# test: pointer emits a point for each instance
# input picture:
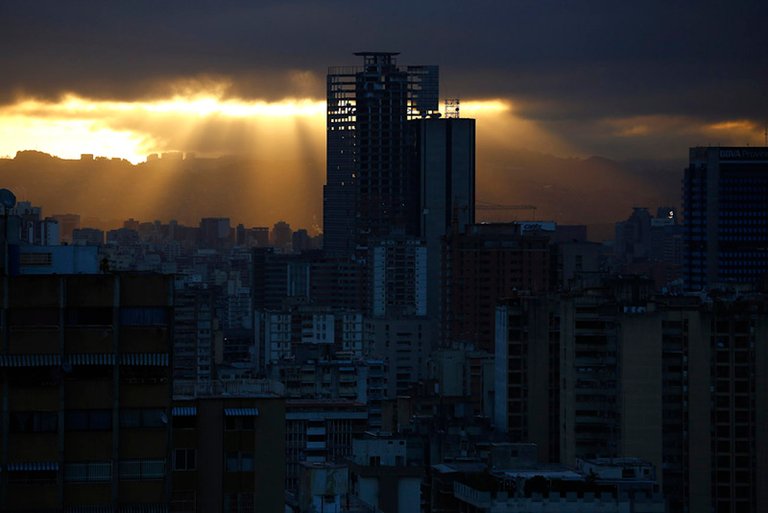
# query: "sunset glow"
(68, 138)
(131, 130)
(473, 108)
(285, 142)
(123, 129)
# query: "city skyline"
(569, 80)
(551, 87)
(488, 257)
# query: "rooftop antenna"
(452, 108)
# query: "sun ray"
(280, 146)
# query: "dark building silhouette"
(68, 223)
(614, 371)
(228, 454)
(87, 389)
(87, 237)
(281, 236)
(633, 237)
(215, 232)
(369, 187)
(193, 337)
(300, 241)
(443, 153)
(725, 202)
(488, 263)
(648, 245)
(399, 180)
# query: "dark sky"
(660, 75)
(619, 79)
(562, 59)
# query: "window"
(233, 464)
(239, 462)
(184, 459)
(130, 418)
(246, 462)
(85, 316)
(36, 259)
(146, 316)
(142, 469)
(34, 422)
(130, 469)
(239, 503)
(88, 472)
(100, 420)
(89, 420)
(143, 418)
(153, 418)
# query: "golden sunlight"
(131, 130)
(473, 108)
(739, 124)
(735, 132)
(201, 122)
(68, 138)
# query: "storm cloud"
(560, 60)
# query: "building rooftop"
(554, 472)
(452, 468)
(364, 54)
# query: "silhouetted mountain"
(590, 191)
(247, 190)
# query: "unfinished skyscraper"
(369, 190)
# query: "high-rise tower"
(444, 160)
(370, 191)
(725, 201)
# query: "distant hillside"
(246, 190)
(590, 191)
(593, 191)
